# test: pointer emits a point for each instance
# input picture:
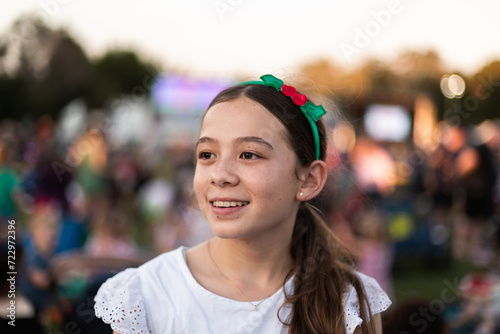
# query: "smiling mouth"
(227, 204)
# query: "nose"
(224, 175)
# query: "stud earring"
(301, 194)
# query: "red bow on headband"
(297, 98)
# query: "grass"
(428, 278)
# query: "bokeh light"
(452, 86)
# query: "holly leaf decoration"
(271, 80)
(316, 112)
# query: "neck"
(252, 264)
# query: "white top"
(162, 297)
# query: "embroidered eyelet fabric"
(377, 299)
(120, 301)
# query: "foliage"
(400, 80)
(42, 70)
(119, 72)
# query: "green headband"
(312, 112)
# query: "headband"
(312, 112)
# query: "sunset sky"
(224, 37)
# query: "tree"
(483, 100)
(326, 74)
(119, 72)
(43, 69)
(416, 65)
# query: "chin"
(228, 230)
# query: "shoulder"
(132, 277)
(169, 263)
(166, 260)
(122, 299)
(377, 299)
(118, 296)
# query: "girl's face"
(245, 180)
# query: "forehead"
(242, 117)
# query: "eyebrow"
(247, 139)
(205, 140)
(254, 139)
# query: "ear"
(313, 179)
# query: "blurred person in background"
(413, 316)
(441, 180)
(492, 139)
(34, 279)
(110, 234)
(75, 221)
(23, 315)
(340, 201)
(490, 314)
(155, 200)
(373, 168)
(375, 254)
(88, 156)
(9, 175)
(49, 176)
(477, 173)
(479, 303)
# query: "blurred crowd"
(85, 209)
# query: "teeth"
(226, 204)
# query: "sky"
(252, 37)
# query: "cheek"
(274, 186)
(200, 178)
(198, 186)
(196, 182)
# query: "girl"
(273, 265)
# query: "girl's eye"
(249, 156)
(206, 155)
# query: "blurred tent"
(180, 102)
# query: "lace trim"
(377, 299)
(119, 303)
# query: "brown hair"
(323, 266)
